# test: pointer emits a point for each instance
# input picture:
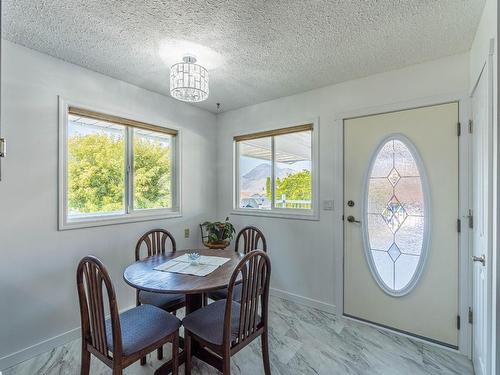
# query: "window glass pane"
(152, 169)
(96, 167)
(293, 170)
(255, 173)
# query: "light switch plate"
(328, 205)
(186, 233)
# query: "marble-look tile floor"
(303, 341)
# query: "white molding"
(43, 346)
(465, 296)
(119, 218)
(306, 301)
(465, 245)
(492, 128)
(274, 213)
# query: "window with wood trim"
(275, 171)
(115, 169)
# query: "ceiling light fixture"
(189, 81)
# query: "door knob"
(352, 219)
(481, 259)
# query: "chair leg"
(226, 364)
(143, 361)
(265, 352)
(175, 354)
(85, 366)
(205, 299)
(187, 348)
(117, 371)
(160, 353)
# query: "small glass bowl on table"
(194, 258)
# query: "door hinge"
(470, 126)
(459, 129)
(471, 219)
(470, 315)
(459, 225)
(458, 322)
(3, 148)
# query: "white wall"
(37, 271)
(303, 252)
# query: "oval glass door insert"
(396, 221)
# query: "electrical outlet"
(186, 233)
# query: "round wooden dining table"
(142, 275)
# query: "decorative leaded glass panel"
(380, 191)
(395, 213)
(409, 190)
(382, 238)
(384, 162)
(385, 265)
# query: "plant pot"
(217, 245)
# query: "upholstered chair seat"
(208, 322)
(222, 294)
(164, 301)
(141, 327)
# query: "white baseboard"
(323, 306)
(42, 347)
(39, 348)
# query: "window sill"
(98, 221)
(277, 214)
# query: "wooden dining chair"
(123, 338)
(155, 242)
(251, 238)
(226, 326)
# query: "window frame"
(285, 213)
(130, 215)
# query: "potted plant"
(217, 235)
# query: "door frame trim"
(464, 272)
(494, 177)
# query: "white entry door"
(482, 203)
(400, 221)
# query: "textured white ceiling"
(255, 50)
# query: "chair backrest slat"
(94, 287)
(252, 306)
(251, 237)
(92, 278)
(155, 242)
(253, 272)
